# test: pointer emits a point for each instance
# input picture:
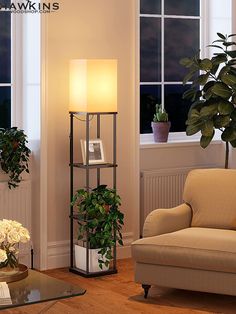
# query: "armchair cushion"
(196, 248)
(211, 195)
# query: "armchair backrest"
(211, 193)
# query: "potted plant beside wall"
(213, 93)
(99, 226)
(160, 125)
(14, 154)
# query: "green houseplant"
(14, 154)
(100, 219)
(213, 93)
(160, 125)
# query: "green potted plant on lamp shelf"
(213, 93)
(14, 154)
(99, 226)
(160, 125)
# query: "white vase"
(80, 259)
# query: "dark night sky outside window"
(150, 36)
(5, 68)
(161, 49)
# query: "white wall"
(88, 29)
(185, 155)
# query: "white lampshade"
(93, 85)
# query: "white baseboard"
(59, 251)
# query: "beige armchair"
(192, 246)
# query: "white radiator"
(15, 204)
(162, 189)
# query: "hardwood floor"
(118, 293)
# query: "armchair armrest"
(161, 221)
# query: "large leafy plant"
(213, 93)
(100, 220)
(14, 154)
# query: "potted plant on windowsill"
(213, 93)
(160, 125)
(99, 226)
(14, 154)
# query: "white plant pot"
(80, 259)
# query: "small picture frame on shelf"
(96, 152)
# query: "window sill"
(174, 140)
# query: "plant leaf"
(208, 110)
(193, 128)
(205, 64)
(222, 90)
(207, 128)
(205, 140)
(229, 134)
(189, 94)
(229, 79)
(188, 77)
(221, 36)
(201, 79)
(233, 143)
(231, 53)
(187, 62)
(225, 107)
(221, 121)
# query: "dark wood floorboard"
(118, 293)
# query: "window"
(169, 31)
(5, 67)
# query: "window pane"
(150, 6)
(5, 47)
(5, 107)
(181, 40)
(150, 95)
(182, 7)
(5, 3)
(176, 107)
(150, 49)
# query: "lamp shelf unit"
(95, 166)
(86, 274)
(87, 167)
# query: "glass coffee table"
(38, 287)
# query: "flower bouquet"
(11, 234)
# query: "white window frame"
(206, 32)
(17, 70)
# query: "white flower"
(2, 235)
(12, 232)
(3, 256)
(24, 235)
(13, 236)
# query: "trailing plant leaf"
(14, 156)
